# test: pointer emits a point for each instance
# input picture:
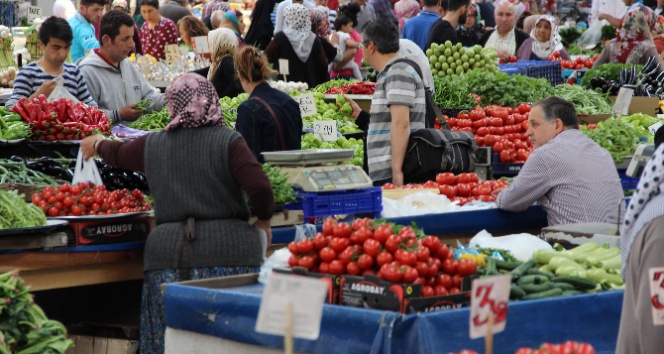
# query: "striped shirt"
(573, 178)
(215, 5)
(31, 77)
(400, 85)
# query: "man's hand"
(602, 17)
(496, 192)
(46, 88)
(88, 145)
(130, 114)
(399, 134)
(265, 226)
(397, 178)
(356, 108)
(503, 54)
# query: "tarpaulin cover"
(231, 314)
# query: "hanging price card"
(623, 100)
(200, 45)
(326, 129)
(172, 52)
(488, 305)
(307, 105)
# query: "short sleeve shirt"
(154, 41)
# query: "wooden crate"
(100, 345)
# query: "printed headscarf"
(120, 3)
(318, 15)
(633, 31)
(219, 39)
(192, 102)
(297, 27)
(405, 10)
(544, 49)
(231, 16)
(646, 205)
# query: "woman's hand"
(90, 144)
(356, 108)
(265, 226)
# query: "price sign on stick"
(283, 68)
(172, 52)
(200, 45)
(34, 12)
(292, 304)
(623, 100)
(307, 105)
(326, 129)
(488, 305)
(653, 128)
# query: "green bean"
(584, 101)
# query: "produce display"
(354, 88)
(576, 64)
(12, 126)
(24, 327)
(453, 92)
(640, 122)
(447, 59)
(289, 86)
(7, 77)
(310, 141)
(497, 88)
(229, 108)
(87, 199)
(647, 81)
(616, 137)
(339, 111)
(15, 212)
(585, 101)
(16, 171)
(398, 254)
(153, 121)
(608, 75)
(160, 70)
(283, 191)
(6, 48)
(35, 51)
(569, 347)
(61, 119)
(569, 35)
(325, 86)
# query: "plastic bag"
(417, 204)
(278, 259)
(521, 246)
(60, 91)
(592, 36)
(86, 171)
(304, 231)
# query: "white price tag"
(200, 44)
(305, 296)
(623, 100)
(490, 295)
(307, 105)
(653, 128)
(172, 52)
(326, 129)
(283, 67)
(34, 12)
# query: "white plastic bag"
(592, 36)
(60, 91)
(417, 204)
(521, 246)
(86, 170)
(278, 259)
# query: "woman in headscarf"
(223, 46)
(199, 172)
(320, 25)
(544, 40)
(121, 5)
(261, 27)
(234, 21)
(298, 44)
(658, 34)
(634, 43)
(469, 33)
(405, 10)
(642, 246)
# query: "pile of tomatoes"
(88, 199)
(569, 347)
(577, 64)
(392, 252)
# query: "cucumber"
(564, 286)
(535, 271)
(523, 268)
(537, 288)
(578, 282)
(516, 292)
(491, 267)
(532, 279)
(571, 292)
(507, 265)
(544, 294)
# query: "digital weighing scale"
(319, 170)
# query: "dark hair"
(110, 24)
(153, 3)
(453, 5)
(341, 21)
(93, 2)
(194, 26)
(556, 107)
(445, 5)
(384, 33)
(351, 10)
(522, 19)
(55, 27)
(251, 64)
(430, 3)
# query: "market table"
(229, 315)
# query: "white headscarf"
(646, 205)
(545, 49)
(217, 40)
(297, 27)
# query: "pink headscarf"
(405, 10)
(192, 102)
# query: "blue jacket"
(417, 28)
(84, 37)
(257, 126)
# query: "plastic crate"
(358, 201)
(550, 70)
(627, 182)
(505, 169)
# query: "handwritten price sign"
(326, 129)
(489, 299)
(307, 105)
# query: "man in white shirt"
(613, 8)
(64, 9)
(279, 26)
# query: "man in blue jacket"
(417, 28)
(89, 12)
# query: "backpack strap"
(276, 120)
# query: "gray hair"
(556, 107)
(217, 17)
(384, 33)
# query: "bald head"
(216, 18)
(505, 15)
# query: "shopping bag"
(592, 36)
(60, 91)
(86, 171)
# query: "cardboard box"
(110, 231)
(592, 118)
(645, 105)
(438, 303)
(371, 292)
(99, 345)
(333, 281)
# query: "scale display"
(326, 178)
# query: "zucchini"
(578, 282)
(571, 292)
(535, 271)
(564, 286)
(516, 292)
(544, 294)
(521, 270)
(532, 279)
(507, 265)
(537, 288)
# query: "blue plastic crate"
(358, 201)
(628, 183)
(504, 169)
(550, 70)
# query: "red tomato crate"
(350, 202)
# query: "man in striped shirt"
(37, 78)
(573, 178)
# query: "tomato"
(384, 258)
(524, 350)
(383, 233)
(510, 119)
(336, 267)
(427, 291)
(293, 261)
(467, 267)
(324, 268)
(327, 254)
(422, 269)
(339, 244)
(406, 258)
(392, 243)
(422, 254)
(365, 261)
(305, 246)
(341, 230)
(353, 269)
(444, 280)
(506, 156)
(446, 178)
(443, 252)
(433, 270)
(467, 351)
(477, 114)
(432, 243)
(463, 115)
(371, 247)
(522, 154)
(306, 262)
(585, 348)
(409, 274)
(463, 190)
(390, 272)
(479, 123)
(498, 146)
(440, 290)
(328, 226)
(449, 266)
(523, 108)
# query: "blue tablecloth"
(231, 314)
